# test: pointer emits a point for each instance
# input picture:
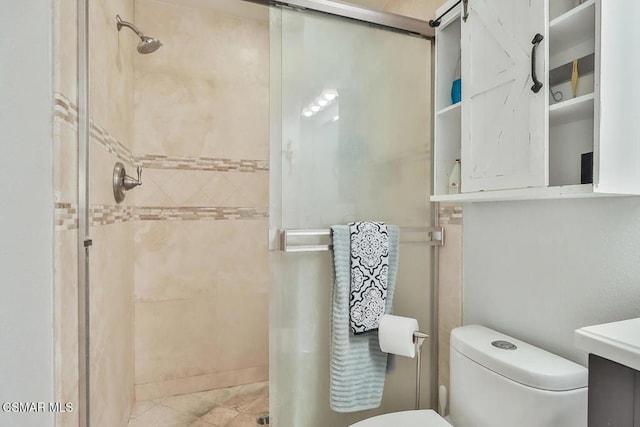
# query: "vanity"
(614, 372)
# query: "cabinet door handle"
(537, 84)
(465, 15)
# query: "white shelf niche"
(448, 54)
(447, 150)
(572, 35)
(572, 110)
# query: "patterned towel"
(369, 271)
(358, 367)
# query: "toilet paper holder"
(418, 339)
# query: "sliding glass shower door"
(351, 138)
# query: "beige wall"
(65, 193)
(111, 260)
(449, 284)
(201, 313)
(419, 9)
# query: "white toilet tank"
(499, 386)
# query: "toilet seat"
(424, 418)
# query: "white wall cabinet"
(515, 143)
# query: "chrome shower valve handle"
(123, 182)
(130, 182)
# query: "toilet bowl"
(406, 418)
(499, 381)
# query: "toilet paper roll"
(395, 335)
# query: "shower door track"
(405, 24)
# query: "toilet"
(499, 381)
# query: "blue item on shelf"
(456, 91)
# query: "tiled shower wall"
(199, 122)
(201, 132)
(111, 260)
(66, 219)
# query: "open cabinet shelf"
(448, 117)
(450, 111)
(578, 191)
(575, 138)
(572, 35)
(572, 110)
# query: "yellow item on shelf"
(574, 78)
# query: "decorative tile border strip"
(110, 214)
(450, 214)
(66, 216)
(111, 144)
(197, 213)
(66, 111)
(201, 163)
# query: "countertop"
(616, 341)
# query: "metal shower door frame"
(391, 21)
(410, 26)
(84, 241)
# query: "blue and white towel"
(369, 271)
(357, 367)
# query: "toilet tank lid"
(526, 364)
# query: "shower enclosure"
(350, 140)
(184, 285)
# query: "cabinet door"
(504, 123)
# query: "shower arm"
(129, 25)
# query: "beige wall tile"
(205, 93)
(198, 100)
(242, 319)
(65, 162)
(450, 269)
(449, 295)
(152, 193)
(176, 339)
(252, 189)
(66, 323)
(182, 188)
(201, 383)
(419, 9)
(176, 260)
(111, 68)
(443, 358)
(65, 48)
(111, 282)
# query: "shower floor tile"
(227, 407)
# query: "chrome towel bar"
(436, 238)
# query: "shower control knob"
(123, 182)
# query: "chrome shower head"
(147, 44)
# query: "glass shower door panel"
(361, 153)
